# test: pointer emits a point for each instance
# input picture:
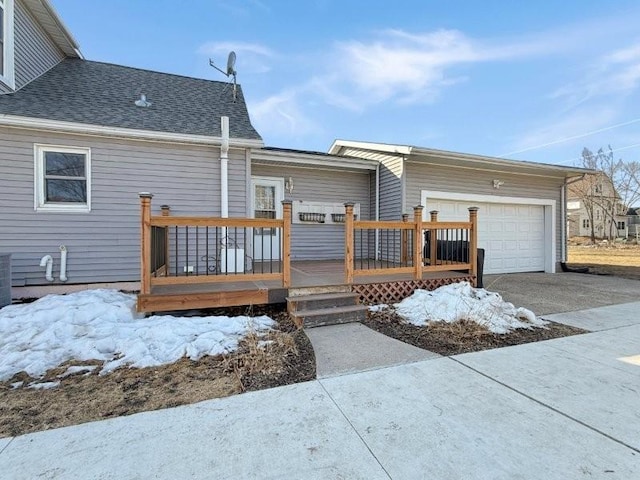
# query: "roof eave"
(311, 160)
(48, 18)
(338, 145)
(118, 132)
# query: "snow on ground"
(460, 301)
(102, 325)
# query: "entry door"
(267, 194)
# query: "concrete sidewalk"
(562, 409)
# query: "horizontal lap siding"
(35, 52)
(460, 180)
(104, 244)
(321, 242)
(391, 170)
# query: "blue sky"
(525, 80)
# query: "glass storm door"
(267, 195)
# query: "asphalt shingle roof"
(103, 94)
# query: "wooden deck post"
(286, 243)
(145, 243)
(404, 247)
(433, 239)
(417, 241)
(348, 243)
(166, 211)
(473, 244)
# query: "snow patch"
(378, 308)
(43, 385)
(103, 325)
(460, 301)
(86, 369)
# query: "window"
(63, 179)
(6, 43)
(597, 214)
(585, 223)
(621, 225)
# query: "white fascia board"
(310, 160)
(378, 147)
(134, 134)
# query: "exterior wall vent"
(5, 279)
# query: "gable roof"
(102, 94)
(447, 158)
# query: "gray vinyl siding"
(420, 176)
(104, 244)
(35, 52)
(321, 242)
(391, 171)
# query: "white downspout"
(224, 173)
(377, 240)
(47, 261)
(63, 263)
(563, 223)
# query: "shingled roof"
(103, 94)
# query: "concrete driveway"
(545, 293)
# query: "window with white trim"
(63, 179)
(586, 223)
(6, 43)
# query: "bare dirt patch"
(607, 259)
(459, 337)
(282, 357)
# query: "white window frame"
(8, 69)
(40, 203)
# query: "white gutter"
(224, 168)
(134, 134)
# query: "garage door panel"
(512, 235)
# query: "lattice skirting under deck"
(393, 292)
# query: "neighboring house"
(633, 221)
(593, 206)
(80, 139)
(521, 217)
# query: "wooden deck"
(204, 262)
(306, 277)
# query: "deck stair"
(316, 310)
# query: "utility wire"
(574, 137)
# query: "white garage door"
(511, 234)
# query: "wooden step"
(329, 316)
(302, 291)
(326, 300)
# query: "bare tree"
(611, 191)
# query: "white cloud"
(250, 57)
(281, 114)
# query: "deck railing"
(415, 247)
(178, 250)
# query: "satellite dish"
(231, 72)
(231, 63)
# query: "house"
(594, 208)
(80, 140)
(521, 207)
(633, 222)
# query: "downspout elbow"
(47, 261)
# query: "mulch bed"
(287, 359)
(460, 337)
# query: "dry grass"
(617, 259)
(459, 337)
(281, 357)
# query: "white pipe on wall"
(47, 261)
(224, 173)
(63, 263)
(224, 168)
